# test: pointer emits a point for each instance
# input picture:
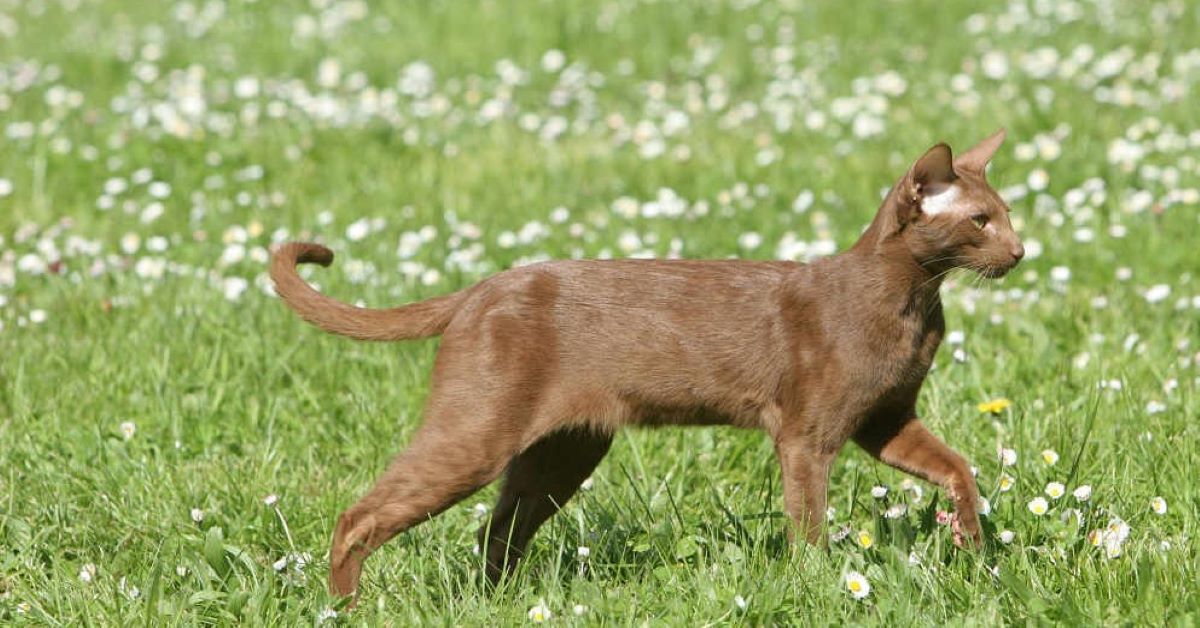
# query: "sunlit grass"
(175, 445)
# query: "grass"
(231, 399)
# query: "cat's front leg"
(907, 445)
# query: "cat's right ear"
(931, 175)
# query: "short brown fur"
(539, 366)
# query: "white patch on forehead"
(942, 202)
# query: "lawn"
(175, 444)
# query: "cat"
(540, 365)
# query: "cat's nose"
(1017, 251)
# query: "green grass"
(233, 400)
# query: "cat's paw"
(965, 535)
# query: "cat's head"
(948, 215)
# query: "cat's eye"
(979, 220)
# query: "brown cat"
(540, 365)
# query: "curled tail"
(415, 320)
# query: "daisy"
(879, 492)
(540, 613)
(1049, 456)
(1007, 536)
(1038, 506)
(1006, 483)
(1055, 490)
(1158, 505)
(1082, 493)
(857, 585)
(864, 539)
(1008, 457)
(128, 429)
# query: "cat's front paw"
(965, 531)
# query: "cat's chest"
(899, 353)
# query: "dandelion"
(128, 429)
(1007, 536)
(1158, 505)
(1038, 506)
(864, 539)
(1082, 493)
(1050, 457)
(540, 613)
(1055, 490)
(857, 585)
(994, 406)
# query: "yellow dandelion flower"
(994, 406)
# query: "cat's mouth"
(994, 271)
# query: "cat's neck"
(892, 276)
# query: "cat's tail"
(415, 320)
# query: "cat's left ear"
(976, 159)
(929, 177)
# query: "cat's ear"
(933, 171)
(976, 159)
(931, 175)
